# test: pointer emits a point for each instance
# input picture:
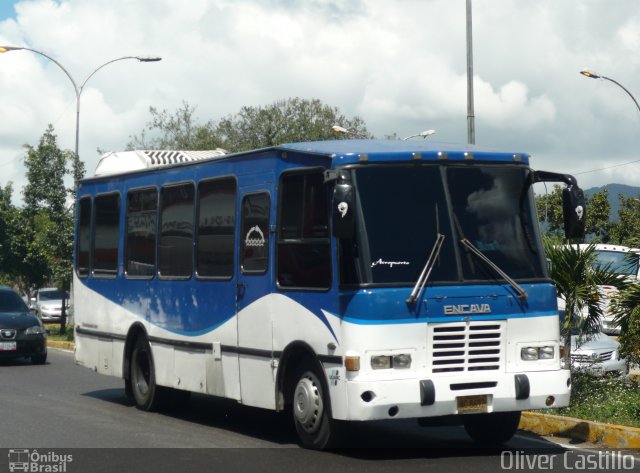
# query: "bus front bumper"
(440, 396)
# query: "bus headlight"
(385, 362)
(529, 353)
(537, 353)
(380, 362)
(546, 353)
(401, 361)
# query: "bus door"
(253, 286)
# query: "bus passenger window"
(83, 237)
(254, 255)
(140, 246)
(304, 248)
(216, 228)
(106, 235)
(175, 248)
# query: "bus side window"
(83, 243)
(140, 243)
(254, 255)
(106, 235)
(216, 228)
(175, 248)
(304, 248)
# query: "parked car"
(594, 351)
(21, 332)
(48, 304)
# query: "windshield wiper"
(521, 292)
(426, 271)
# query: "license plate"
(472, 404)
(596, 370)
(7, 346)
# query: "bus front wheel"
(491, 429)
(313, 424)
(146, 393)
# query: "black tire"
(491, 429)
(39, 359)
(147, 395)
(310, 410)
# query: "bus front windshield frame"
(401, 208)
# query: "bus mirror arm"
(574, 207)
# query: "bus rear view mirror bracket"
(574, 208)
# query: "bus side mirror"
(574, 212)
(343, 209)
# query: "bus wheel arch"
(303, 391)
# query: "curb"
(62, 345)
(611, 435)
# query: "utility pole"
(471, 131)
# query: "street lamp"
(341, 130)
(78, 90)
(593, 75)
(424, 134)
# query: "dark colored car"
(21, 332)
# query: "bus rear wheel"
(147, 395)
(491, 429)
(315, 428)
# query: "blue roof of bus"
(347, 151)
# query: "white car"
(593, 350)
(48, 304)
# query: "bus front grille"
(466, 346)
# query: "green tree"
(598, 211)
(179, 130)
(577, 280)
(625, 231)
(286, 121)
(46, 239)
(549, 208)
(626, 308)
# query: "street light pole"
(471, 128)
(76, 89)
(593, 75)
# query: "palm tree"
(577, 280)
(626, 309)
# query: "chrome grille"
(592, 358)
(466, 346)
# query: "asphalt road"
(59, 407)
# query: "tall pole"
(471, 131)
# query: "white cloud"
(400, 65)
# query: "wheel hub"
(307, 403)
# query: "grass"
(53, 331)
(611, 400)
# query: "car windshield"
(53, 295)
(402, 209)
(624, 263)
(11, 302)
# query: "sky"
(399, 65)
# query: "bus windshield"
(624, 263)
(402, 209)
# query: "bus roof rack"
(116, 162)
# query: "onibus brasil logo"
(24, 459)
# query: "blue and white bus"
(348, 280)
